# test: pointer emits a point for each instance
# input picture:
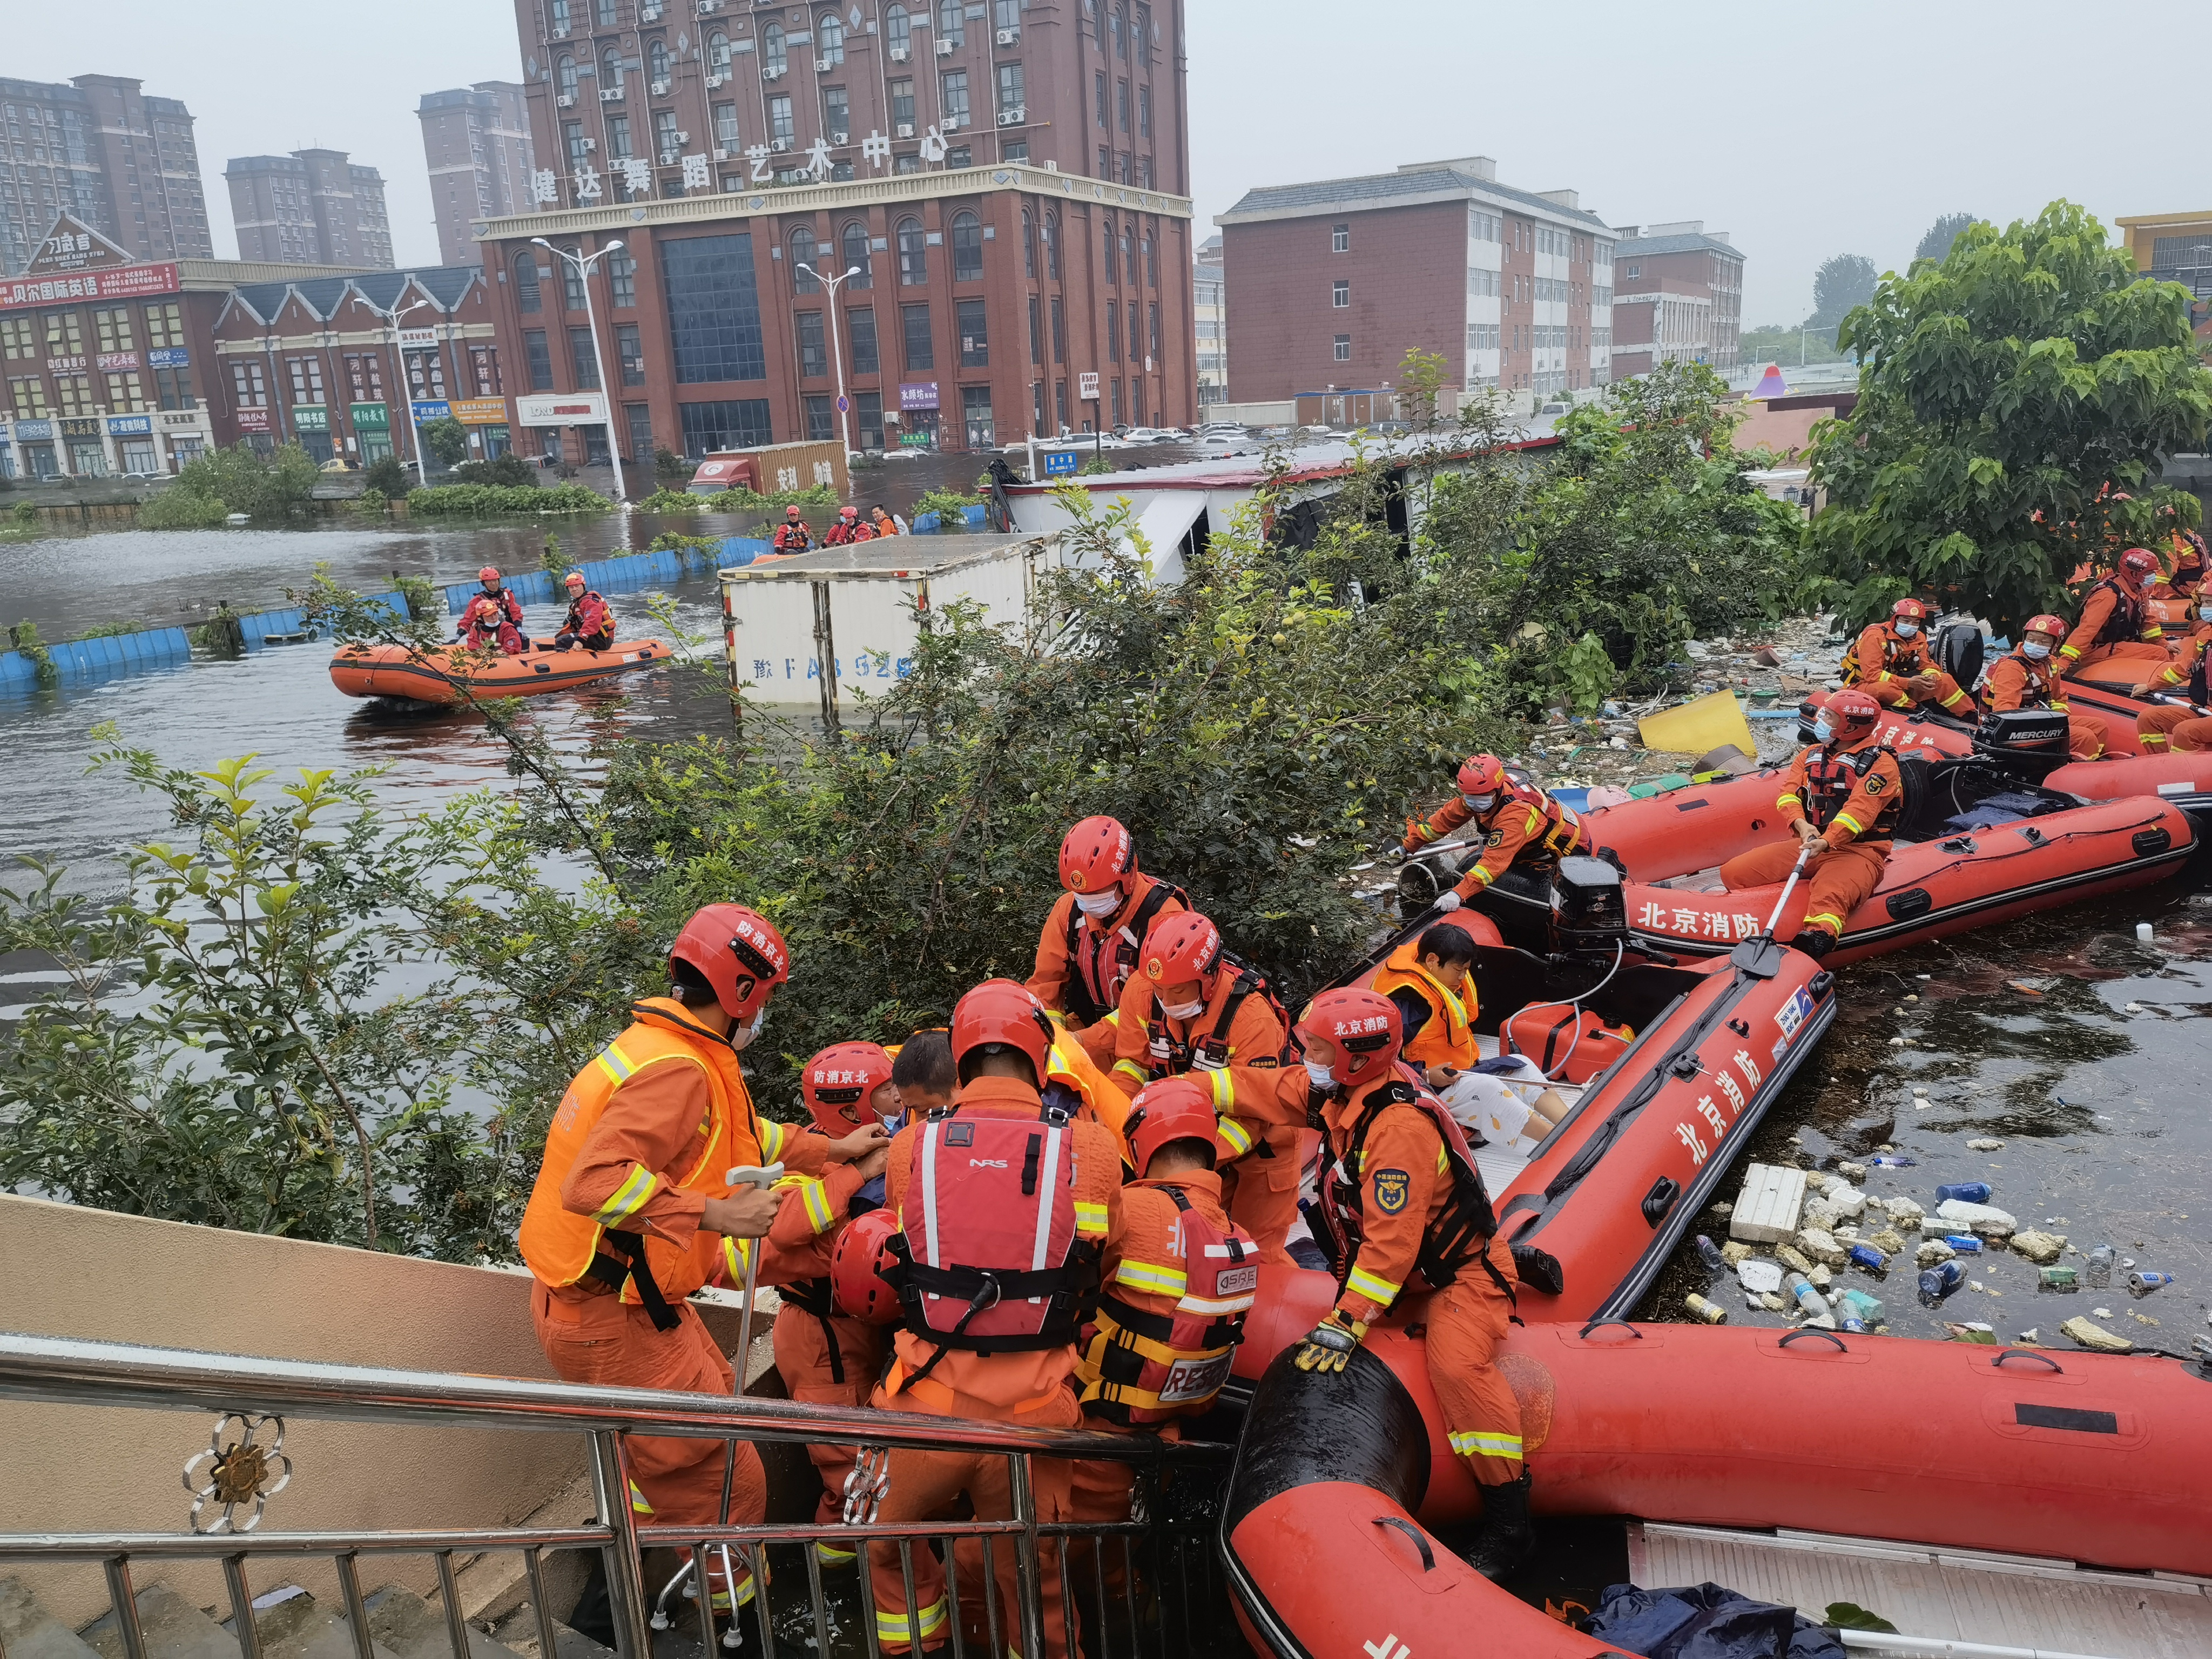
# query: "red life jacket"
(1462, 1231)
(1103, 959)
(1904, 658)
(1829, 780)
(1210, 1052)
(989, 1258)
(1138, 1367)
(2125, 620)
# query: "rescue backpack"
(989, 1255)
(1138, 1367)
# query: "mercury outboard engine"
(1957, 650)
(1589, 909)
(2030, 743)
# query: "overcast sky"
(1800, 130)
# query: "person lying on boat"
(2116, 620)
(2178, 725)
(1428, 980)
(1094, 933)
(1519, 825)
(1842, 799)
(2028, 677)
(1889, 662)
(492, 619)
(590, 621)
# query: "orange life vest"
(1448, 1039)
(1140, 1367)
(564, 1247)
(1906, 658)
(2125, 621)
(1829, 777)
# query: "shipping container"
(774, 470)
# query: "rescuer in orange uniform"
(2187, 581)
(2116, 619)
(591, 620)
(2028, 677)
(1095, 930)
(492, 619)
(1196, 1009)
(1519, 824)
(823, 1357)
(631, 1212)
(968, 1280)
(793, 536)
(1889, 662)
(1843, 798)
(2177, 726)
(1408, 1212)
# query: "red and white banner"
(117, 282)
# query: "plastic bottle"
(1814, 1304)
(1940, 1281)
(1711, 1312)
(1964, 1243)
(1889, 1161)
(1870, 1258)
(2144, 1284)
(1863, 1306)
(1966, 1192)
(2098, 1273)
(1709, 1254)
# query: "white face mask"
(1184, 1009)
(2035, 648)
(1822, 731)
(1480, 803)
(1905, 630)
(1323, 1078)
(741, 1036)
(1098, 904)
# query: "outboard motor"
(1957, 650)
(1589, 909)
(2031, 743)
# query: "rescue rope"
(1576, 1003)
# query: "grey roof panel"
(1379, 188)
(1652, 245)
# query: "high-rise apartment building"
(314, 206)
(1679, 298)
(116, 161)
(477, 141)
(1210, 315)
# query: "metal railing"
(1165, 1555)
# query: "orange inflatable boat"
(438, 676)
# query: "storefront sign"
(119, 360)
(35, 432)
(311, 417)
(431, 408)
(370, 417)
(120, 282)
(81, 427)
(129, 425)
(182, 418)
(561, 408)
(64, 365)
(1087, 386)
(253, 420)
(417, 339)
(168, 357)
(920, 394)
(480, 411)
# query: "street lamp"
(399, 363)
(836, 351)
(599, 362)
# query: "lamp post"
(399, 363)
(836, 351)
(599, 361)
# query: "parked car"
(337, 464)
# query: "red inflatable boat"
(1326, 1537)
(396, 671)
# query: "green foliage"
(1422, 377)
(1841, 285)
(24, 637)
(236, 480)
(424, 603)
(220, 634)
(447, 440)
(174, 509)
(509, 501)
(672, 501)
(2009, 395)
(508, 468)
(668, 541)
(1937, 243)
(108, 630)
(27, 514)
(741, 500)
(388, 476)
(950, 505)
(372, 503)
(1587, 673)
(1095, 465)
(551, 558)
(1850, 1616)
(669, 467)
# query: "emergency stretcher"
(401, 673)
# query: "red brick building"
(1010, 177)
(1333, 282)
(1678, 297)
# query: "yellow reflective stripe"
(1790, 799)
(2068, 650)
(894, 1627)
(1481, 875)
(1133, 1069)
(1058, 1017)
(830, 1556)
(1422, 832)
(637, 1500)
(1225, 1091)
(1851, 823)
(1362, 1283)
(1444, 1163)
(2154, 632)
(734, 1254)
(1833, 920)
(1113, 1021)
(722, 1597)
(615, 1064)
(629, 1198)
(1090, 1220)
(816, 1199)
(772, 1139)
(1234, 1135)
(1476, 1443)
(1151, 1276)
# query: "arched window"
(1052, 246)
(898, 29)
(829, 37)
(950, 23)
(913, 256)
(564, 75)
(611, 71)
(656, 61)
(773, 60)
(802, 253)
(1113, 265)
(855, 239)
(1120, 35)
(1129, 256)
(1029, 244)
(718, 53)
(967, 247)
(527, 297)
(1151, 266)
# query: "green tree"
(239, 481)
(387, 474)
(669, 467)
(447, 440)
(1422, 376)
(2009, 397)
(1842, 284)
(1937, 243)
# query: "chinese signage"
(370, 417)
(34, 431)
(1087, 386)
(417, 339)
(920, 394)
(81, 427)
(1059, 462)
(124, 426)
(311, 417)
(119, 360)
(168, 357)
(431, 408)
(64, 365)
(72, 246)
(119, 282)
(253, 420)
(561, 408)
(481, 411)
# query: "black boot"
(1506, 1538)
(1814, 942)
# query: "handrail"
(68, 1370)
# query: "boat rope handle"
(1420, 1539)
(1596, 1324)
(2026, 1353)
(1842, 1346)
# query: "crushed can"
(1964, 1243)
(1870, 1258)
(2055, 1279)
(1940, 1281)
(1966, 1192)
(2142, 1283)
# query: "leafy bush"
(175, 508)
(672, 501)
(507, 468)
(24, 637)
(447, 440)
(27, 514)
(387, 475)
(948, 504)
(424, 603)
(670, 467)
(741, 500)
(372, 502)
(487, 501)
(108, 630)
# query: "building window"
(564, 75)
(975, 415)
(1113, 332)
(629, 352)
(1029, 244)
(638, 417)
(539, 359)
(954, 85)
(732, 423)
(1113, 266)
(173, 388)
(111, 325)
(246, 386)
(426, 371)
(914, 323)
(967, 247)
(29, 395)
(1007, 13)
(1059, 342)
(1117, 400)
(802, 261)
(903, 107)
(75, 392)
(780, 129)
(1340, 239)
(913, 254)
(124, 393)
(484, 366)
(714, 311)
(861, 327)
(1060, 402)
(621, 279)
(1120, 36)
(726, 128)
(950, 23)
(1098, 98)
(1122, 102)
(959, 156)
(1144, 112)
(1154, 314)
(1631, 272)
(1340, 294)
(525, 282)
(307, 377)
(821, 419)
(1011, 96)
(571, 280)
(1036, 330)
(906, 161)
(829, 38)
(1105, 161)
(1129, 255)
(582, 361)
(1344, 348)
(868, 408)
(836, 115)
(64, 335)
(1052, 246)
(1036, 407)
(898, 30)
(813, 354)
(975, 334)
(772, 59)
(19, 337)
(1151, 266)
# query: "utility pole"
(598, 360)
(836, 351)
(399, 375)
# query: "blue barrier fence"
(924, 523)
(631, 570)
(156, 648)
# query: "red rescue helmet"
(1173, 1109)
(999, 1012)
(2138, 567)
(1908, 611)
(575, 579)
(790, 512)
(857, 1264)
(1362, 1025)
(1097, 855)
(1482, 774)
(1853, 711)
(488, 573)
(838, 1082)
(1182, 949)
(738, 952)
(848, 512)
(2046, 623)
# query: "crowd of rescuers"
(852, 523)
(492, 619)
(1138, 1105)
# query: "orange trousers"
(924, 1484)
(602, 1340)
(1836, 882)
(2158, 730)
(1260, 1190)
(1467, 1322)
(2087, 736)
(1892, 694)
(810, 1354)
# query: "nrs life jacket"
(990, 1258)
(1138, 1367)
(1830, 778)
(1460, 1231)
(1103, 959)
(2124, 621)
(1904, 658)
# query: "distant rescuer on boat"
(1889, 662)
(2027, 676)
(1407, 1210)
(793, 536)
(591, 622)
(1842, 797)
(1519, 824)
(492, 619)
(2116, 620)
(1094, 933)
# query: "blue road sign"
(1060, 462)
